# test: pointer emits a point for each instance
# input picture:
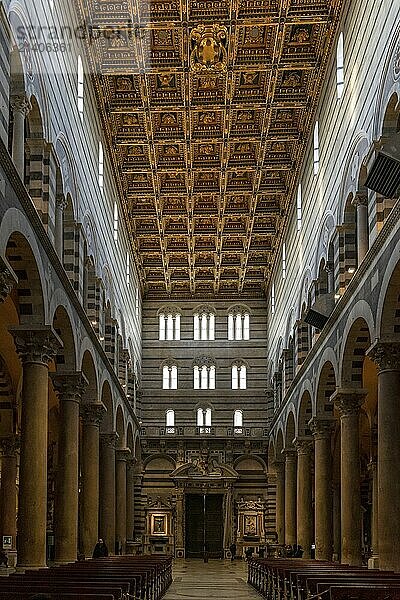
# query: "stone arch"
(324, 250)
(129, 437)
(305, 287)
(326, 386)
(360, 323)
(387, 319)
(29, 293)
(88, 368)
(351, 173)
(290, 428)
(304, 415)
(68, 171)
(107, 400)
(120, 427)
(389, 83)
(62, 323)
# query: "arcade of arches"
(188, 358)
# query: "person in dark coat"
(232, 548)
(3, 558)
(100, 549)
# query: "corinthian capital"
(92, 414)
(349, 401)
(20, 103)
(109, 439)
(36, 343)
(304, 446)
(386, 355)
(321, 428)
(70, 386)
(360, 200)
(123, 454)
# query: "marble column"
(108, 443)
(279, 467)
(61, 205)
(8, 491)
(130, 493)
(122, 455)
(361, 204)
(36, 346)
(348, 402)
(7, 281)
(92, 414)
(322, 430)
(180, 524)
(21, 107)
(290, 495)
(337, 542)
(304, 449)
(373, 562)
(70, 388)
(386, 354)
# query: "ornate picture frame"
(159, 524)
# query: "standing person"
(100, 549)
(232, 548)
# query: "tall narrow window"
(340, 66)
(178, 326)
(165, 377)
(128, 269)
(204, 377)
(239, 379)
(101, 167)
(115, 221)
(161, 319)
(170, 327)
(284, 261)
(316, 148)
(238, 418)
(234, 377)
(273, 299)
(246, 326)
(203, 420)
(169, 324)
(196, 378)
(170, 421)
(170, 377)
(242, 378)
(174, 378)
(203, 326)
(211, 325)
(80, 87)
(212, 378)
(231, 327)
(299, 207)
(196, 327)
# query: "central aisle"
(220, 579)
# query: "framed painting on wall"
(159, 524)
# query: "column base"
(60, 563)
(373, 562)
(179, 552)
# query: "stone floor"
(220, 579)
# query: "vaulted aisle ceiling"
(208, 105)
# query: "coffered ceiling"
(207, 107)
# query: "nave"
(221, 579)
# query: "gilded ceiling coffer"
(209, 52)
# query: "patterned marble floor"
(220, 579)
